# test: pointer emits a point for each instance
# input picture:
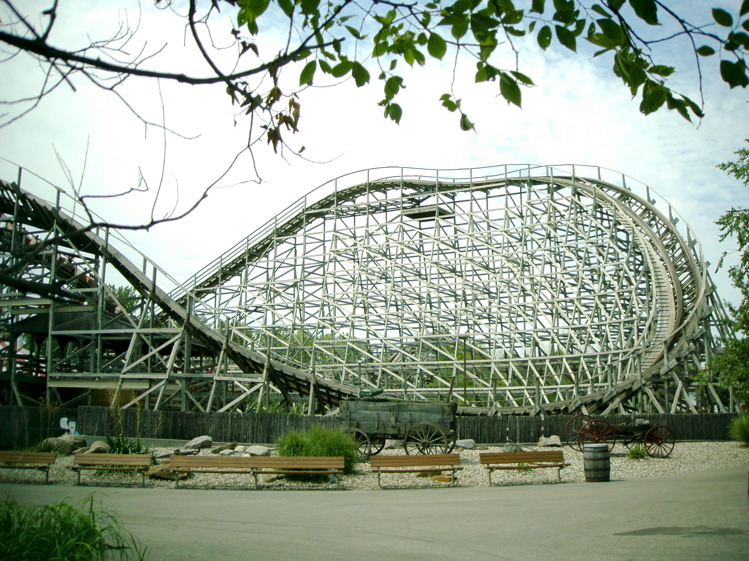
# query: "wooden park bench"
(139, 463)
(536, 459)
(259, 465)
(421, 463)
(28, 460)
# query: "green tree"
(732, 366)
(285, 46)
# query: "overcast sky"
(578, 113)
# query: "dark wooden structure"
(424, 427)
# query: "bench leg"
(79, 476)
(46, 476)
(490, 476)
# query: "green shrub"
(637, 452)
(321, 441)
(739, 429)
(63, 532)
(122, 444)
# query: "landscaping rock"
(199, 443)
(552, 440)
(257, 450)
(227, 452)
(65, 444)
(219, 449)
(512, 448)
(466, 443)
(162, 471)
(98, 447)
(443, 478)
(186, 452)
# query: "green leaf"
(600, 10)
(538, 7)
(522, 78)
(646, 10)
(465, 123)
(287, 6)
(253, 9)
(393, 86)
(704, 50)
(436, 46)
(355, 33)
(744, 8)
(733, 73)
(308, 73)
(544, 37)
(394, 112)
(566, 37)
(360, 74)
(509, 89)
(653, 97)
(342, 68)
(449, 103)
(661, 70)
(612, 31)
(722, 17)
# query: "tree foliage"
(732, 366)
(285, 46)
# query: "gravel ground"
(686, 457)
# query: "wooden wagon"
(657, 440)
(424, 427)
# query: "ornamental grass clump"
(321, 441)
(739, 429)
(64, 532)
(637, 452)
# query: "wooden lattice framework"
(513, 289)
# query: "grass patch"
(321, 441)
(739, 429)
(637, 452)
(64, 532)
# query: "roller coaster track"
(260, 334)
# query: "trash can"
(597, 462)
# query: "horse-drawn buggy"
(657, 440)
(424, 427)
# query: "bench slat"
(421, 463)
(28, 460)
(112, 462)
(258, 465)
(537, 459)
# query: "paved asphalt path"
(701, 516)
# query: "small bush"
(321, 441)
(739, 429)
(122, 444)
(63, 532)
(637, 452)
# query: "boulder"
(186, 451)
(512, 448)
(257, 450)
(392, 444)
(443, 478)
(226, 452)
(199, 443)
(162, 471)
(552, 440)
(467, 443)
(65, 444)
(219, 449)
(98, 447)
(240, 449)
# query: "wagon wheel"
(596, 431)
(572, 430)
(425, 438)
(659, 441)
(377, 443)
(363, 441)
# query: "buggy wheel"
(572, 430)
(365, 444)
(596, 432)
(425, 438)
(659, 441)
(377, 443)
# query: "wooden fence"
(21, 427)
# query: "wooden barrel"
(597, 462)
